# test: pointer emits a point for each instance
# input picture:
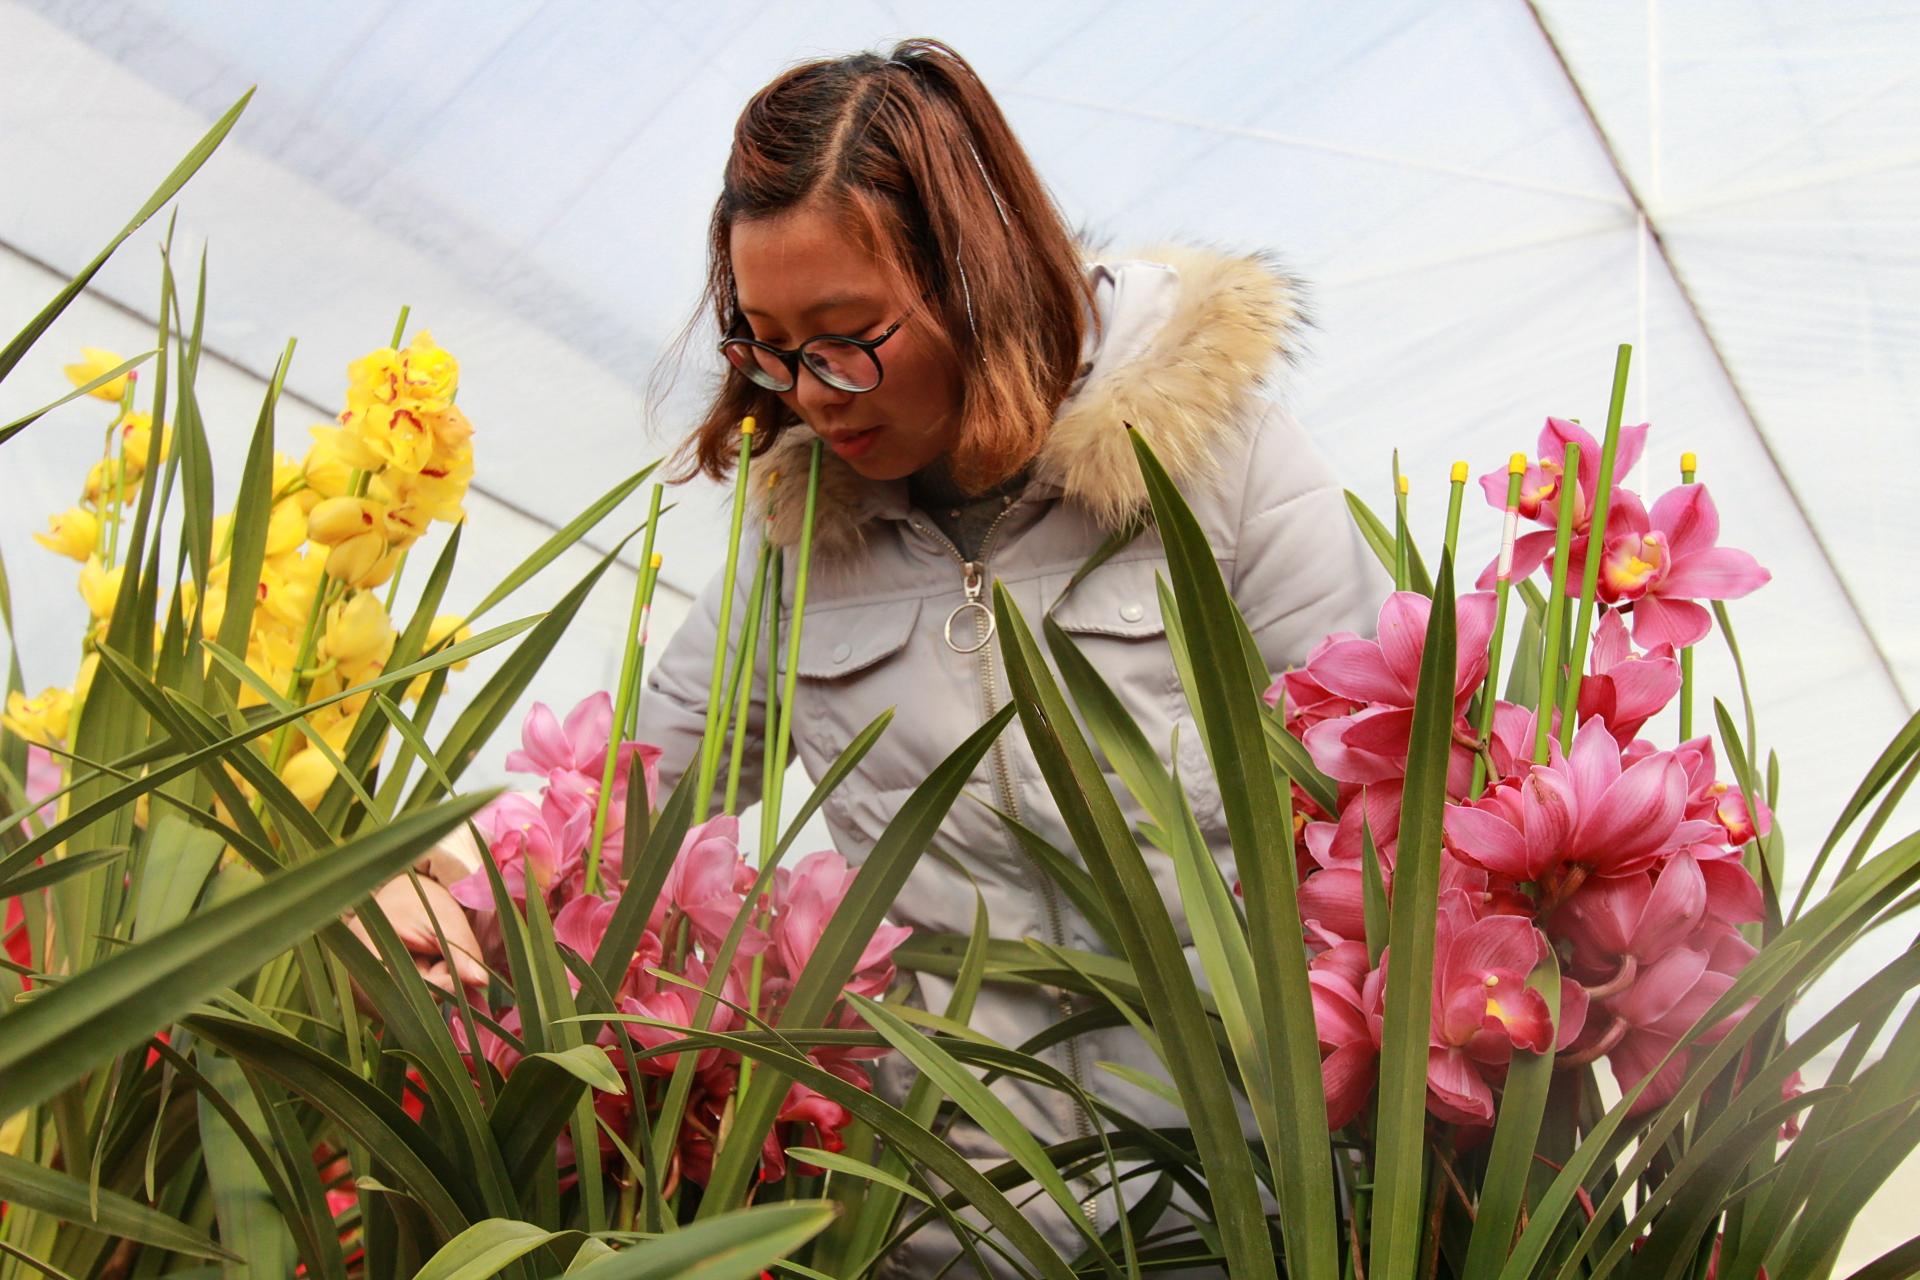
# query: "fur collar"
(1185, 384)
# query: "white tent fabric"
(1486, 195)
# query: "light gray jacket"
(1187, 343)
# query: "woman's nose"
(815, 397)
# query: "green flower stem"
(743, 677)
(776, 774)
(716, 685)
(771, 791)
(1503, 587)
(119, 473)
(1402, 574)
(623, 702)
(649, 579)
(400, 327)
(1687, 469)
(393, 585)
(1457, 484)
(1596, 546)
(776, 570)
(1556, 604)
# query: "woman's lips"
(853, 446)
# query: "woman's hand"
(401, 904)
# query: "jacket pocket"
(838, 642)
(1120, 600)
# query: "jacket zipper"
(973, 578)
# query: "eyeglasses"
(843, 363)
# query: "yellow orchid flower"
(100, 587)
(332, 459)
(108, 481)
(42, 718)
(398, 435)
(95, 361)
(445, 627)
(74, 533)
(136, 431)
(286, 527)
(429, 374)
(308, 774)
(359, 636)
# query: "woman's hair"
(911, 151)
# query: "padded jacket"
(1187, 348)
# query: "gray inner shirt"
(963, 517)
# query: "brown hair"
(914, 151)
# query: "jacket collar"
(1187, 338)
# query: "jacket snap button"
(841, 652)
(1132, 612)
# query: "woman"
(891, 277)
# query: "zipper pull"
(973, 580)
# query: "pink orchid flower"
(1302, 699)
(1384, 674)
(1665, 560)
(1624, 688)
(1482, 1007)
(708, 885)
(1579, 815)
(580, 926)
(580, 744)
(676, 1007)
(1638, 1027)
(805, 899)
(529, 848)
(1348, 1011)
(1540, 490)
(1620, 925)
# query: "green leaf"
(818, 987)
(26, 420)
(1373, 889)
(1290, 754)
(421, 1170)
(1398, 1211)
(1119, 870)
(179, 858)
(730, 1246)
(488, 710)
(987, 1110)
(1226, 696)
(249, 1218)
(838, 1162)
(1516, 1130)
(27, 1185)
(485, 1248)
(562, 539)
(114, 1005)
(1381, 540)
(188, 166)
(54, 872)
(1893, 757)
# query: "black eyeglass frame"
(793, 358)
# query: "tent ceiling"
(535, 180)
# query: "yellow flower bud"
(335, 520)
(451, 429)
(137, 445)
(365, 561)
(308, 774)
(100, 587)
(75, 533)
(330, 462)
(95, 361)
(41, 718)
(108, 481)
(358, 633)
(286, 527)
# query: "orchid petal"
(1717, 573)
(1661, 620)
(1688, 517)
(1357, 669)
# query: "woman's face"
(798, 275)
